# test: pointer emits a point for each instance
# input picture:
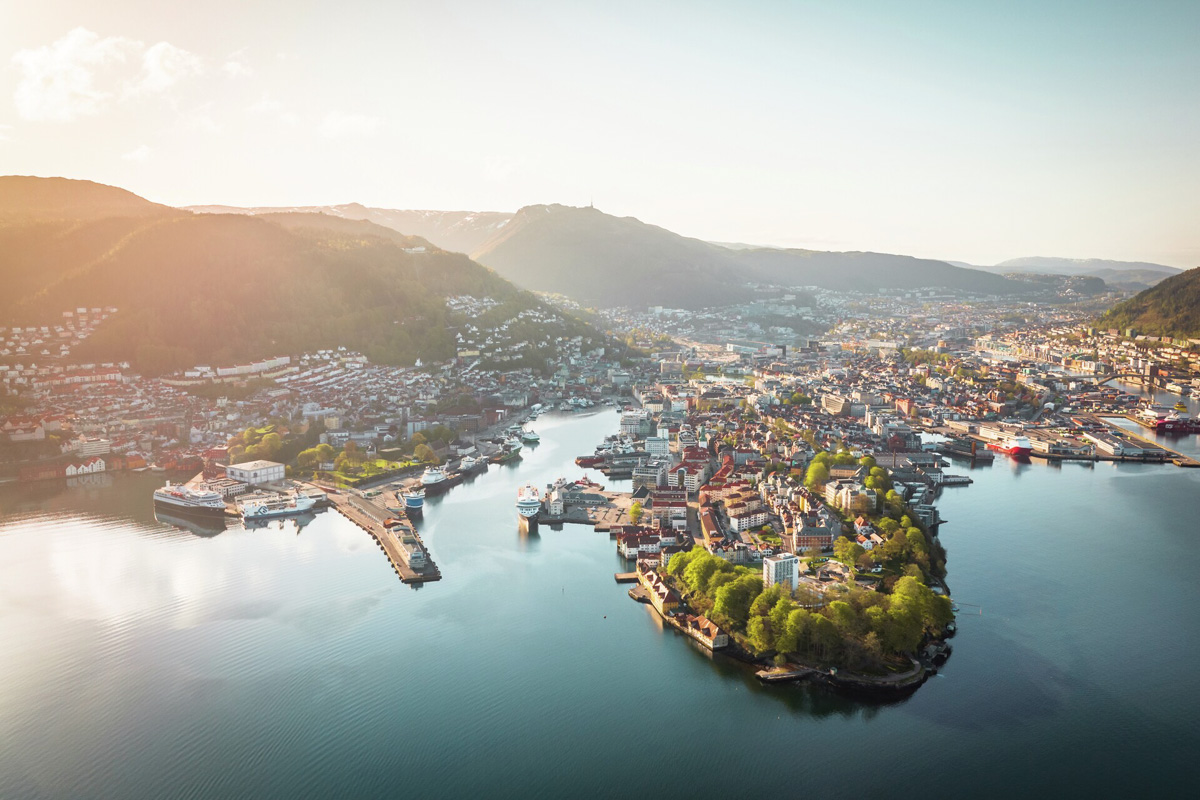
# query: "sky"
(972, 131)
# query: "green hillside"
(1170, 308)
(217, 288)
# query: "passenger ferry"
(432, 476)
(271, 508)
(414, 500)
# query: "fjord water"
(139, 660)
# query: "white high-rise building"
(783, 568)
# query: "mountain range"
(604, 260)
(1122, 274)
(220, 288)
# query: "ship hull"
(1015, 452)
(195, 512)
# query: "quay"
(1177, 458)
(371, 517)
(625, 577)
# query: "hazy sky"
(959, 130)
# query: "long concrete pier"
(1177, 458)
(398, 541)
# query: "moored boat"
(274, 507)
(529, 502)
(1018, 446)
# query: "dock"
(370, 517)
(625, 577)
(1177, 458)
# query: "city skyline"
(975, 134)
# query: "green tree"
(780, 612)
(680, 561)
(846, 551)
(635, 512)
(732, 601)
(816, 475)
(767, 599)
(272, 442)
(700, 570)
(794, 632)
(424, 453)
(758, 632)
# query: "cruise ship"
(182, 500)
(274, 507)
(414, 501)
(529, 503)
(1018, 446)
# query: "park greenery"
(850, 627)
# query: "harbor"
(316, 610)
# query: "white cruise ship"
(529, 503)
(182, 500)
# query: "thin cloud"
(5, 131)
(58, 81)
(81, 73)
(163, 66)
(339, 125)
(138, 154)
(236, 69)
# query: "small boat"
(530, 437)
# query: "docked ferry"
(274, 507)
(177, 499)
(1018, 446)
(432, 476)
(529, 503)
(414, 501)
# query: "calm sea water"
(138, 660)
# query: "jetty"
(1176, 457)
(395, 536)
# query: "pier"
(1177, 458)
(371, 517)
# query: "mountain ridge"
(219, 288)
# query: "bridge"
(1140, 377)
